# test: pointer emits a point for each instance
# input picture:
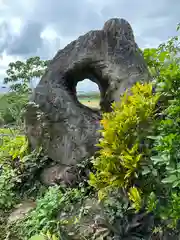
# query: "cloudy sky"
(41, 27)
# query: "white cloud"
(31, 27)
(4, 62)
(16, 25)
(49, 33)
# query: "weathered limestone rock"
(65, 128)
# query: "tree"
(20, 74)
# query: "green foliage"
(20, 74)
(44, 219)
(47, 236)
(11, 106)
(19, 77)
(38, 237)
(166, 55)
(124, 131)
(13, 145)
(8, 181)
(166, 141)
(18, 168)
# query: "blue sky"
(41, 27)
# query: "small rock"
(21, 211)
(58, 173)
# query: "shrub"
(44, 218)
(11, 106)
(13, 145)
(15, 156)
(166, 140)
(8, 180)
(124, 147)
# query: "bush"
(11, 106)
(44, 218)
(13, 146)
(124, 147)
(166, 140)
(8, 180)
(18, 169)
(15, 156)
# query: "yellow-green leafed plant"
(123, 148)
(38, 237)
(12, 145)
(48, 236)
(135, 198)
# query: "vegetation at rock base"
(136, 173)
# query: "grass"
(90, 100)
(92, 103)
(8, 131)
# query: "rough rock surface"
(21, 210)
(58, 174)
(55, 118)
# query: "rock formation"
(55, 119)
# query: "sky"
(41, 27)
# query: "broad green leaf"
(38, 237)
(170, 179)
(146, 170)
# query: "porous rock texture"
(55, 119)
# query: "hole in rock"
(88, 94)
